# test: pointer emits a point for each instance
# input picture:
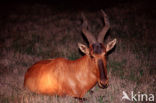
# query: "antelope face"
(97, 51)
(98, 54)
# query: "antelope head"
(97, 50)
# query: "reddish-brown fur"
(61, 76)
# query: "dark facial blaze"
(101, 68)
(98, 48)
(103, 74)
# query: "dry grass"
(45, 32)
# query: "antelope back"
(61, 76)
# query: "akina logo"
(137, 96)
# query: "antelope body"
(74, 78)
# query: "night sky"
(75, 4)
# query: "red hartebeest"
(74, 78)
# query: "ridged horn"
(91, 39)
(104, 30)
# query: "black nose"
(103, 86)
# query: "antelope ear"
(110, 45)
(83, 48)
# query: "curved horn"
(91, 39)
(103, 32)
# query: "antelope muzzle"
(103, 83)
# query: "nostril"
(105, 86)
